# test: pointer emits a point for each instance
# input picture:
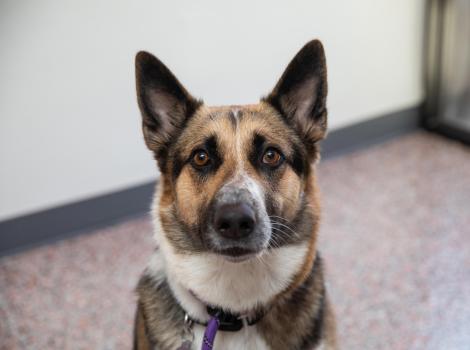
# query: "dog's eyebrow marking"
(297, 161)
(177, 166)
(258, 141)
(211, 143)
(257, 144)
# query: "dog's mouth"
(237, 254)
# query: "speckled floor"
(395, 237)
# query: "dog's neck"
(242, 288)
(251, 317)
(198, 309)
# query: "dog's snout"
(234, 220)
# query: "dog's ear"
(300, 94)
(164, 103)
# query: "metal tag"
(187, 334)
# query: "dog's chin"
(238, 251)
(238, 254)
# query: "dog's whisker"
(273, 243)
(278, 237)
(296, 234)
(275, 217)
(278, 217)
(279, 223)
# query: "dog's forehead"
(233, 124)
(248, 115)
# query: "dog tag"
(186, 345)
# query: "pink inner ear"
(168, 110)
(299, 102)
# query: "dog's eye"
(201, 158)
(272, 157)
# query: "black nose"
(234, 220)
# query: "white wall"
(69, 124)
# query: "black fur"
(258, 147)
(299, 162)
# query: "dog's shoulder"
(301, 318)
(159, 318)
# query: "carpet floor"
(395, 238)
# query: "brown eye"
(272, 157)
(201, 158)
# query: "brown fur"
(141, 337)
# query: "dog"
(236, 215)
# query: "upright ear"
(164, 103)
(300, 94)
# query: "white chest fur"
(236, 286)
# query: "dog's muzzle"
(239, 225)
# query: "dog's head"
(236, 180)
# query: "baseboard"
(76, 218)
(69, 220)
(371, 132)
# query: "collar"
(228, 321)
(220, 321)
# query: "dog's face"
(236, 180)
